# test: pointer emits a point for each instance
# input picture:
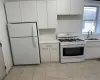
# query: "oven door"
(72, 51)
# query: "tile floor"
(88, 70)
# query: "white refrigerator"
(24, 43)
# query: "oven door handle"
(72, 46)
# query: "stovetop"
(70, 40)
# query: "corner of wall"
(4, 38)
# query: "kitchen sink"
(92, 39)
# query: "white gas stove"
(71, 49)
(70, 41)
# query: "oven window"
(73, 51)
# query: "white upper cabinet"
(13, 12)
(52, 13)
(28, 11)
(42, 14)
(47, 14)
(77, 7)
(70, 7)
(63, 7)
(21, 11)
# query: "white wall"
(4, 38)
(47, 34)
(69, 23)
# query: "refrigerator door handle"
(33, 40)
(32, 31)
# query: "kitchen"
(44, 39)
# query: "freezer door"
(25, 50)
(22, 30)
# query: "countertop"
(57, 41)
(49, 41)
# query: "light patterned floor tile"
(87, 70)
(51, 74)
(94, 77)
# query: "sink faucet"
(88, 36)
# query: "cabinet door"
(52, 13)
(45, 54)
(13, 12)
(77, 7)
(28, 11)
(92, 52)
(63, 7)
(54, 52)
(42, 14)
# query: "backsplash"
(47, 34)
(68, 23)
(84, 36)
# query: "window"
(90, 19)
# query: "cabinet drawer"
(92, 43)
(43, 45)
(54, 45)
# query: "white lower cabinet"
(45, 55)
(49, 52)
(92, 50)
